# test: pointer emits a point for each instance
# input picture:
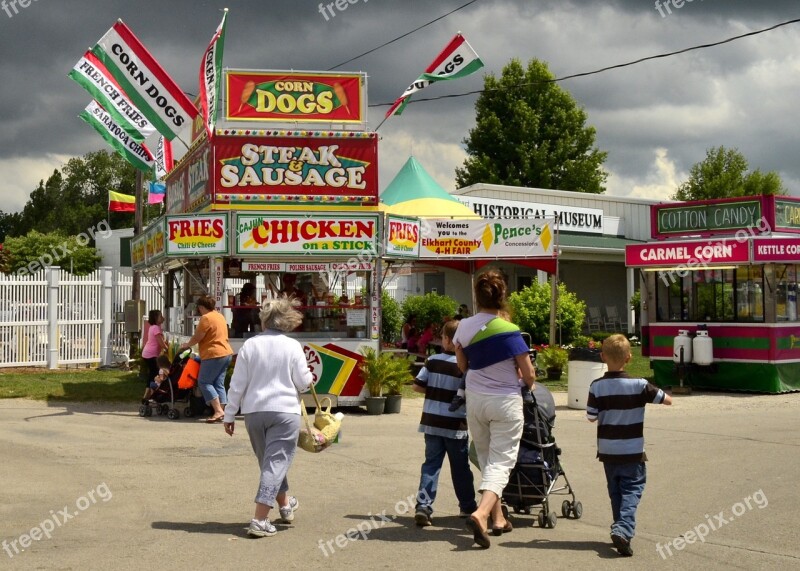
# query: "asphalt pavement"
(94, 486)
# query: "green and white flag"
(210, 72)
(132, 151)
(91, 74)
(456, 60)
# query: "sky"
(655, 119)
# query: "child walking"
(616, 402)
(445, 431)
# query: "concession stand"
(726, 270)
(289, 208)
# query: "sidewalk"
(149, 493)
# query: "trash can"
(585, 366)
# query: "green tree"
(530, 310)
(75, 198)
(531, 132)
(723, 174)
(28, 254)
(428, 309)
(391, 319)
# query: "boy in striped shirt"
(616, 402)
(445, 431)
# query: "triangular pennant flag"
(210, 71)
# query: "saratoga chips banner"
(464, 239)
(332, 235)
(295, 96)
(274, 170)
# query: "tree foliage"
(723, 174)
(391, 319)
(75, 198)
(531, 132)
(530, 310)
(428, 309)
(29, 254)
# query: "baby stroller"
(535, 477)
(177, 389)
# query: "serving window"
(786, 292)
(712, 295)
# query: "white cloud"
(660, 183)
(21, 176)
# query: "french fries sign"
(295, 96)
(402, 237)
(197, 235)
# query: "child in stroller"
(174, 384)
(535, 476)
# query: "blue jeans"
(625, 488)
(457, 451)
(212, 378)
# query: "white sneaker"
(261, 528)
(287, 513)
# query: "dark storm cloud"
(737, 95)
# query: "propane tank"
(703, 349)
(682, 339)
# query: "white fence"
(53, 318)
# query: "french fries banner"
(295, 97)
(481, 239)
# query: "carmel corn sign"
(295, 96)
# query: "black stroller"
(535, 477)
(167, 397)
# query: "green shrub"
(391, 318)
(601, 336)
(530, 310)
(429, 308)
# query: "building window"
(729, 295)
(786, 293)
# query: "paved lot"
(150, 493)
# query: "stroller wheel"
(143, 410)
(565, 508)
(173, 414)
(577, 510)
(164, 409)
(187, 412)
(541, 519)
(148, 411)
(552, 520)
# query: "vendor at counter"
(245, 313)
(290, 289)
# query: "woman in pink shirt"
(154, 345)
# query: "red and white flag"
(145, 82)
(456, 60)
(210, 72)
(163, 158)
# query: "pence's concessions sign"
(296, 170)
(295, 97)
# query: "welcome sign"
(480, 239)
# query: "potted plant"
(553, 359)
(585, 365)
(398, 374)
(382, 371)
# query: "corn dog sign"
(295, 96)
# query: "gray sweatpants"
(273, 436)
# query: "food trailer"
(289, 210)
(727, 270)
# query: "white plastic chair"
(612, 321)
(594, 320)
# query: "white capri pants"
(495, 424)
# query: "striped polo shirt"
(617, 402)
(441, 378)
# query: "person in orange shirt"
(215, 356)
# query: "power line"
(404, 35)
(601, 70)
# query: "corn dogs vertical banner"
(295, 96)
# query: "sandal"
(507, 528)
(479, 535)
(214, 419)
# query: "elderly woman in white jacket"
(270, 372)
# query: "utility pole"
(138, 218)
